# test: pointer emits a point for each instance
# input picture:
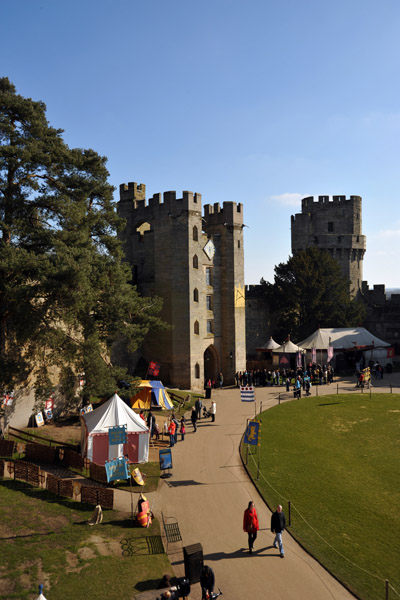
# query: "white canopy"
(113, 413)
(342, 338)
(270, 345)
(289, 348)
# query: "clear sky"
(255, 101)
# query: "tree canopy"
(309, 291)
(65, 292)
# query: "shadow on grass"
(329, 403)
(45, 495)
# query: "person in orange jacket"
(250, 524)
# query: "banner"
(116, 469)
(252, 432)
(330, 353)
(247, 393)
(154, 368)
(299, 361)
(117, 435)
(314, 355)
(48, 413)
(50, 403)
(39, 419)
(390, 352)
(86, 409)
(284, 361)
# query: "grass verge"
(46, 539)
(336, 459)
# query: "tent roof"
(152, 383)
(342, 338)
(270, 345)
(112, 413)
(289, 348)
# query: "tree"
(310, 292)
(65, 292)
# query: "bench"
(171, 529)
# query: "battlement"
(310, 202)
(167, 203)
(230, 214)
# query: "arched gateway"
(211, 363)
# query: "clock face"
(209, 249)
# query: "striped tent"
(152, 394)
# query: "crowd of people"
(317, 374)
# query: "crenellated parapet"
(231, 214)
(311, 202)
(133, 201)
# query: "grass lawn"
(46, 539)
(337, 460)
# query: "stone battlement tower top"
(333, 224)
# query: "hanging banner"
(299, 361)
(284, 361)
(116, 469)
(48, 413)
(86, 409)
(314, 355)
(154, 368)
(252, 432)
(330, 353)
(50, 403)
(390, 352)
(247, 393)
(117, 435)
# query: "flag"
(154, 368)
(247, 393)
(252, 433)
(330, 353)
(314, 355)
(299, 363)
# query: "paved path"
(208, 493)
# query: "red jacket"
(250, 520)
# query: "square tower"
(195, 265)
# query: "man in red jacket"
(250, 524)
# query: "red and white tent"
(113, 413)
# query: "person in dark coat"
(207, 582)
(193, 418)
(278, 524)
(250, 524)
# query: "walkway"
(208, 493)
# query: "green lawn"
(337, 460)
(46, 539)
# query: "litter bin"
(193, 559)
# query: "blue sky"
(249, 101)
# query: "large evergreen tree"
(309, 291)
(65, 292)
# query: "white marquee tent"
(95, 426)
(342, 338)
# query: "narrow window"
(195, 262)
(330, 227)
(195, 234)
(195, 295)
(210, 327)
(208, 276)
(209, 302)
(196, 328)
(197, 371)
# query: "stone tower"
(196, 264)
(333, 225)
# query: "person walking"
(213, 411)
(278, 524)
(171, 431)
(183, 429)
(250, 524)
(220, 380)
(193, 418)
(207, 582)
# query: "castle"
(194, 261)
